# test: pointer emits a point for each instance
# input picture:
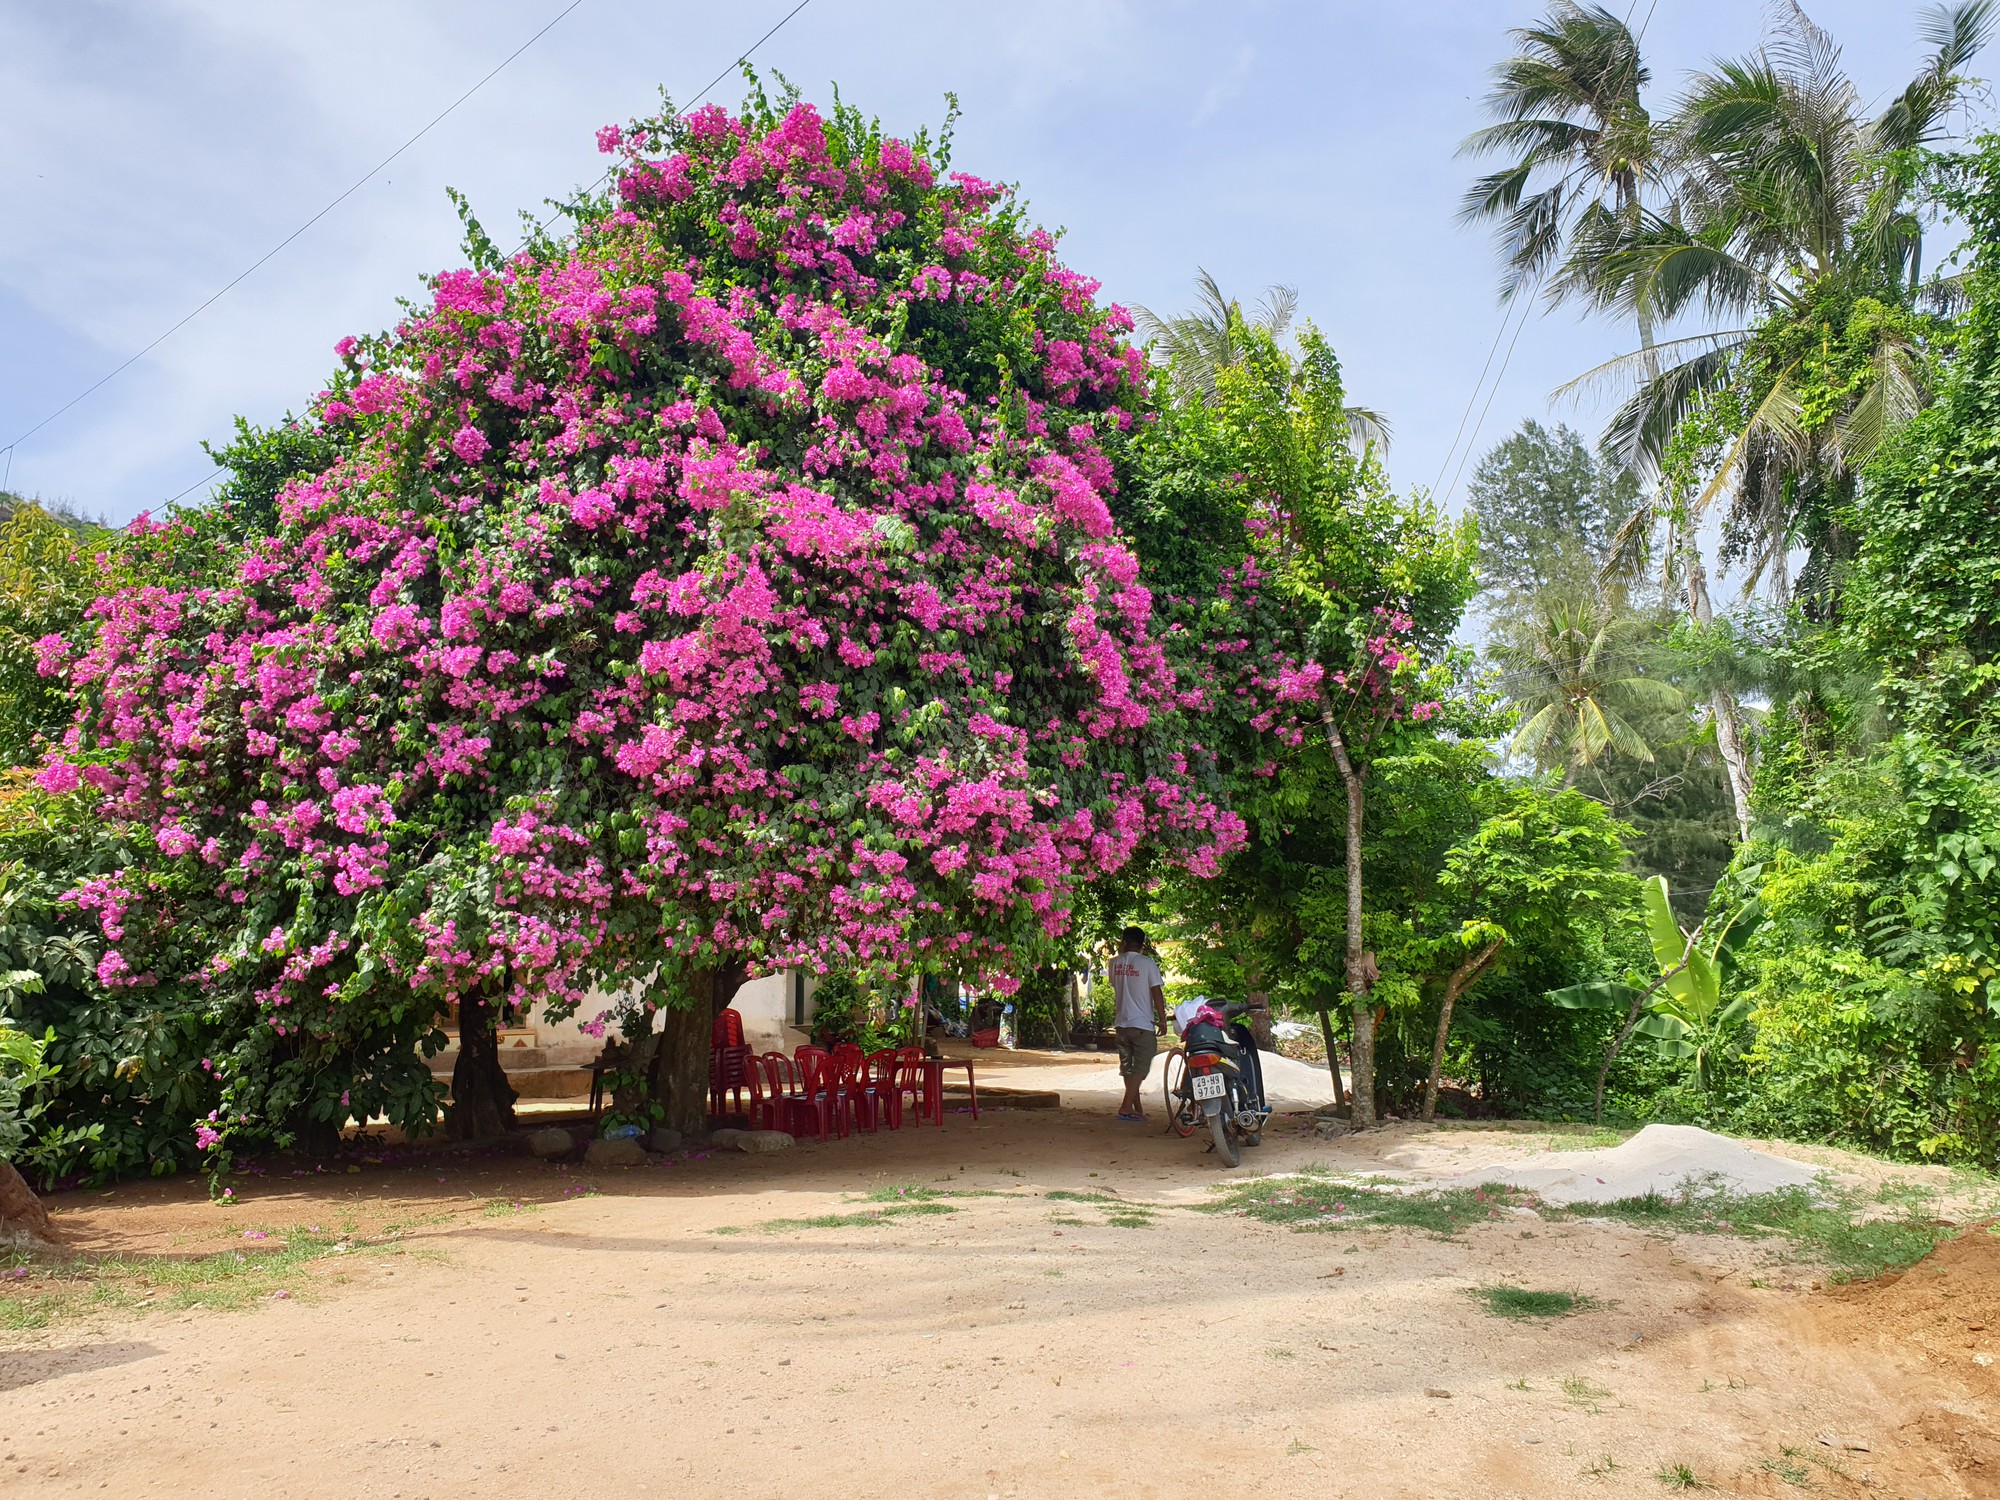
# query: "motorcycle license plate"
(1210, 1086)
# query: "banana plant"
(1682, 1011)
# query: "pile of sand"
(1665, 1159)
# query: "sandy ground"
(540, 1331)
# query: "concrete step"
(510, 1038)
(541, 1083)
(514, 1060)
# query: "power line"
(358, 184)
(1500, 332)
(742, 58)
(1477, 386)
(1528, 307)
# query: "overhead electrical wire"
(740, 59)
(235, 281)
(1500, 332)
(743, 57)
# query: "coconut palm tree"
(1570, 667)
(1567, 110)
(1790, 213)
(1790, 206)
(1197, 346)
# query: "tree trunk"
(1462, 979)
(1332, 1058)
(680, 1066)
(1259, 1020)
(1358, 979)
(1632, 1022)
(1728, 727)
(24, 1223)
(1735, 759)
(681, 1078)
(482, 1100)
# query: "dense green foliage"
(1548, 509)
(1877, 975)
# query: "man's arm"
(1159, 1010)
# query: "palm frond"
(1776, 419)
(1365, 425)
(1955, 34)
(1275, 312)
(1623, 738)
(1892, 399)
(1640, 430)
(1630, 544)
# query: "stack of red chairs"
(728, 1063)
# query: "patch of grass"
(1604, 1468)
(1137, 1219)
(1519, 1303)
(1580, 1392)
(1068, 1221)
(500, 1208)
(264, 1268)
(1064, 1195)
(1681, 1477)
(1589, 1138)
(1298, 1447)
(1788, 1468)
(1840, 1228)
(901, 1192)
(913, 1192)
(882, 1215)
(1315, 1201)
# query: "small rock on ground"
(726, 1139)
(625, 1153)
(764, 1140)
(550, 1142)
(664, 1138)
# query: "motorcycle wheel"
(1225, 1143)
(1182, 1113)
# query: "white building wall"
(765, 1004)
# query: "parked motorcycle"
(1215, 1078)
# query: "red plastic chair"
(871, 1091)
(913, 1079)
(880, 1082)
(727, 1029)
(822, 1093)
(785, 1093)
(766, 1103)
(728, 1078)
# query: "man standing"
(1141, 1019)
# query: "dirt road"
(537, 1331)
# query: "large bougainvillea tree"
(730, 581)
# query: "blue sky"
(150, 152)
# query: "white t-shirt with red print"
(1134, 977)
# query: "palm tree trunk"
(1462, 979)
(1728, 724)
(1362, 1057)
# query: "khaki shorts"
(1137, 1046)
